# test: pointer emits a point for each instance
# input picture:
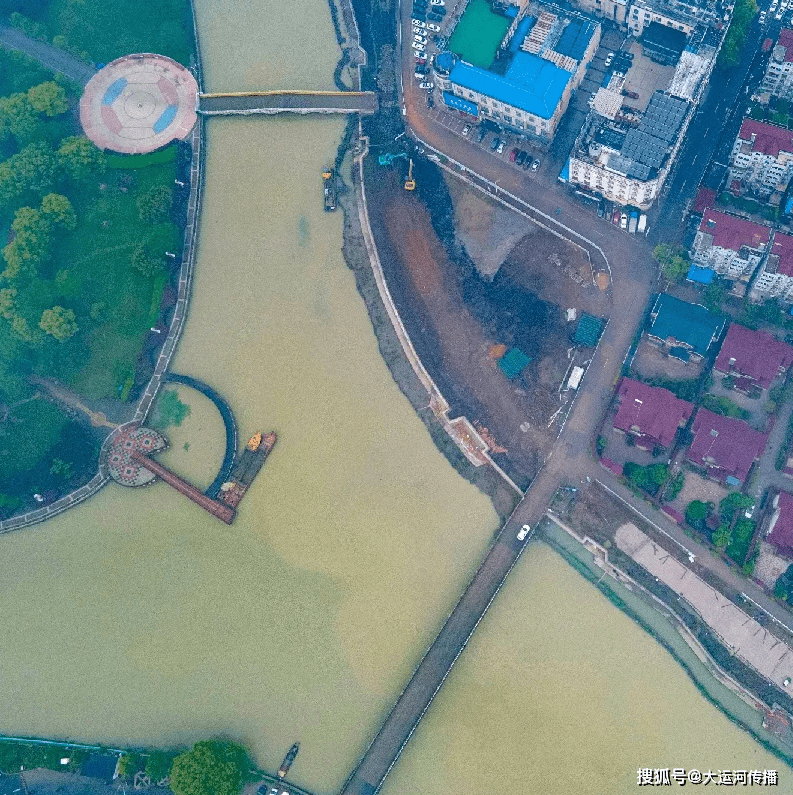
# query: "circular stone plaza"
(139, 103)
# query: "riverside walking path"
(271, 102)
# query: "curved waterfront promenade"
(228, 421)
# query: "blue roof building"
(531, 84)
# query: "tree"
(58, 210)
(697, 512)
(734, 500)
(742, 15)
(145, 261)
(128, 765)
(79, 159)
(155, 205)
(211, 767)
(48, 98)
(722, 536)
(7, 303)
(33, 168)
(21, 119)
(158, 766)
(672, 259)
(58, 322)
(30, 247)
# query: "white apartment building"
(778, 78)
(775, 279)
(762, 157)
(731, 246)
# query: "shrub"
(697, 513)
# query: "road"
(52, 57)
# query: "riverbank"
(670, 630)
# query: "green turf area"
(111, 28)
(166, 155)
(478, 34)
(36, 426)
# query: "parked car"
(435, 17)
(433, 26)
(600, 209)
(419, 60)
(623, 220)
(440, 10)
(419, 38)
(418, 23)
(609, 59)
(428, 86)
(481, 136)
(466, 129)
(437, 2)
(523, 532)
(494, 144)
(513, 154)
(430, 101)
(536, 164)
(500, 149)
(418, 32)
(418, 46)
(421, 56)
(520, 158)
(615, 218)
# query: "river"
(136, 618)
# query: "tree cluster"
(673, 261)
(210, 767)
(742, 16)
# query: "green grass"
(478, 34)
(166, 155)
(109, 29)
(33, 429)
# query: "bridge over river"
(271, 102)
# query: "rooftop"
(690, 324)
(755, 354)
(731, 232)
(781, 534)
(478, 34)
(531, 84)
(726, 444)
(786, 40)
(783, 248)
(766, 138)
(705, 198)
(653, 412)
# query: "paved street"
(51, 57)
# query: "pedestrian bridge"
(270, 102)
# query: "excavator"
(410, 183)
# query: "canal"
(138, 619)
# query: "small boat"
(288, 759)
(254, 441)
(329, 191)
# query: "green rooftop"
(478, 34)
(513, 362)
(588, 331)
(687, 324)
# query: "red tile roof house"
(775, 278)
(756, 358)
(733, 247)
(781, 525)
(724, 447)
(762, 158)
(652, 415)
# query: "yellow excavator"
(410, 183)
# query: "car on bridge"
(523, 532)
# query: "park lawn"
(99, 257)
(108, 29)
(36, 429)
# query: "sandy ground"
(698, 488)
(650, 362)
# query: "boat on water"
(329, 190)
(288, 759)
(247, 467)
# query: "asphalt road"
(53, 58)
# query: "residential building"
(775, 278)
(778, 79)
(780, 528)
(546, 53)
(762, 159)
(725, 447)
(754, 358)
(731, 246)
(687, 331)
(677, 14)
(650, 414)
(615, 10)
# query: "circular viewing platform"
(121, 466)
(139, 103)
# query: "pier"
(272, 102)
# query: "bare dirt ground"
(698, 488)
(650, 362)
(556, 271)
(453, 343)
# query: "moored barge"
(247, 467)
(288, 759)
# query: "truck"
(576, 375)
(634, 220)
(642, 227)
